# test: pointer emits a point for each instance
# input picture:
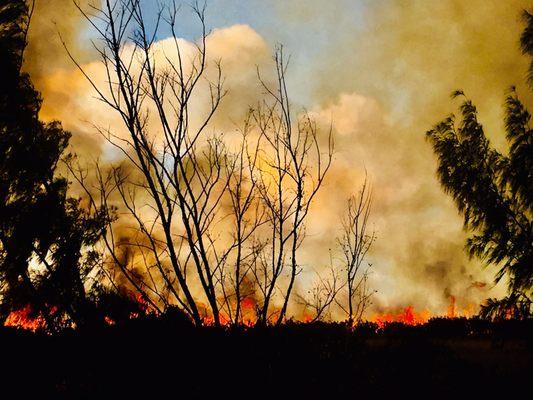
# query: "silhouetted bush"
(157, 356)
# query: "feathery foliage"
(493, 191)
(526, 41)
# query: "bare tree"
(355, 242)
(292, 170)
(174, 181)
(246, 216)
(322, 295)
(191, 208)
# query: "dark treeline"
(443, 358)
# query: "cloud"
(45, 57)
(70, 98)
(385, 84)
(418, 257)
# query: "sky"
(382, 72)
(307, 29)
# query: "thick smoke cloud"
(409, 57)
(46, 57)
(383, 84)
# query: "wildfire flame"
(407, 316)
(144, 309)
(451, 308)
(23, 319)
(248, 309)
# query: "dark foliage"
(526, 41)
(168, 357)
(493, 191)
(514, 305)
(39, 223)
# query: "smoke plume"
(383, 84)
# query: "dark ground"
(168, 359)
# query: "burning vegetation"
(28, 319)
(25, 318)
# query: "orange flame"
(451, 308)
(307, 317)
(22, 319)
(408, 317)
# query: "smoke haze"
(383, 84)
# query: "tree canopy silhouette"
(493, 191)
(45, 236)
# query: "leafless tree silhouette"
(180, 172)
(194, 210)
(292, 169)
(355, 242)
(246, 216)
(322, 294)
